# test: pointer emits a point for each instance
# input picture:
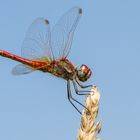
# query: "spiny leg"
(82, 86)
(78, 91)
(70, 97)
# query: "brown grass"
(89, 128)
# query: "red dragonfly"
(47, 50)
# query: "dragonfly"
(46, 50)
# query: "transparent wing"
(37, 40)
(63, 31)
(21, 69)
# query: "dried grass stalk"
(89, 128)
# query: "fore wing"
(63, 31)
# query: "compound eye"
(84, 73)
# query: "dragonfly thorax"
(61, 68)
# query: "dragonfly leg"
(78, 92)
(82, 86)
(71, 98)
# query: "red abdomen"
(25, 61)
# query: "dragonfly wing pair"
(43, 44)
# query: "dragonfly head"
(83, 73)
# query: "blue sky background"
(107, 39)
